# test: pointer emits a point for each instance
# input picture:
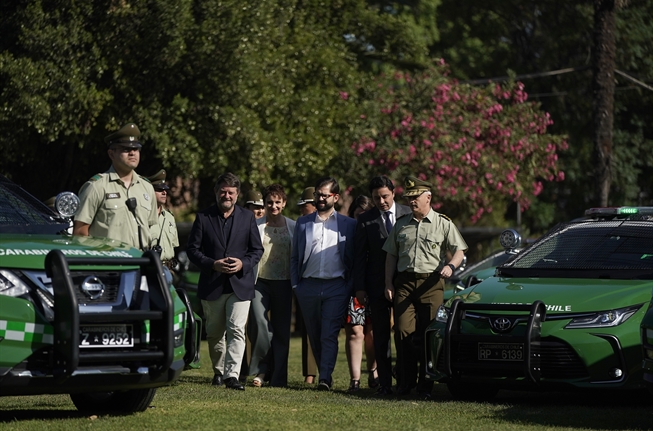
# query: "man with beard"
(415, 270)
(320, 272)
(225, 244)
(119, 204)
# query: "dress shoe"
(403, 390)
(383, 391)
(354, 386)
(217, 380)
(324, 385)
(372, 382)
(233, 383)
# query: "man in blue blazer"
(320, 271)
(369, 271)
(225, 244)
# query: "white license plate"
(106, 336)
(500, 351)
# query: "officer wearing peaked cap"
(307, 201)
(254, 203)
(416, 266)
(164, 234)
(119, 204)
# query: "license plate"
(106, 336)
(500, 351)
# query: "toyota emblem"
(92, 287)
(502, 324)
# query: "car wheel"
(468, 392)
(135, 400)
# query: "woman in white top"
(270, 314)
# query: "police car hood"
(29, 251)
(561, 295)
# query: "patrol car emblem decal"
(92, 287)
(502, 324)
(146, 196)
(112, 195)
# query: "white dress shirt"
(322, 254)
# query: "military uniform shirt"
(166, 229)
(421, 246)
(104, 207)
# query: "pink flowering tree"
(480, 147)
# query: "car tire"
(135, 400)
(467, 392)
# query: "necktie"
(388, 222)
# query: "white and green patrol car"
(562, 314)
(85, 316)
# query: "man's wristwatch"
(453, 268)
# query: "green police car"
(564, 313)
(647, 345)
(84, 316)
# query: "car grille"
(557, 359)
(111, 281)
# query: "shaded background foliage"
(256, 88)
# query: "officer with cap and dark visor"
(119, 204)
(416, 266)
(164, 234)
(254, 203)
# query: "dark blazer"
(369, 257)
(206, 244)
(304, 228)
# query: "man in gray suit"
(369, 275)
(320, 271)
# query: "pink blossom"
(344, 95)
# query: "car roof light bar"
(619, 211)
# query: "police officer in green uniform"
(416, 266)
(164, 233)
(119, 204)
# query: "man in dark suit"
(320, 271)
(225, 244)
(369, 274)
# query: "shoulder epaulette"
(445, 217)
(146, 179)
(95, 178)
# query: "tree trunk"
(603, 95)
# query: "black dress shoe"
(383, 391)
(403, 390)
(217, 380)
(324, 385)
(233, 383)
(354, 386)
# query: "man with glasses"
(416, 267)
(164, 235)
(320, 271)
(119, 204)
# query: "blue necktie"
(388, 222)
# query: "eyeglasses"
(321, 196)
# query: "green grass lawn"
(193, 404)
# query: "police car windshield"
(592, 248)
(22, 213)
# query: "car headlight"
(603, 319)
(11, 285)
(442, 315)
